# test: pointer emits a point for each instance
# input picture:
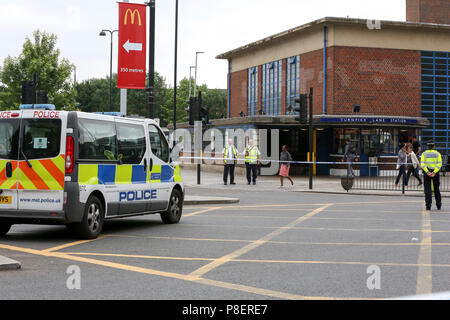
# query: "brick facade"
(429, 11)
(238, 93)
(311, 76)
(382, 81)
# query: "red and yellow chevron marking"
(47, 174)
(8, 183)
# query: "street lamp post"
(102, 34)
(190, 77)
(195, 79)
(175, 70)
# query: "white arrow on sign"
(130, 46)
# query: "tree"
(39, 55)
(214, 99)
(93, 96)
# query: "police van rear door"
(41, 160)
(9, 152)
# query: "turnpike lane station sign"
(132, 46)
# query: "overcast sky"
(204, 25)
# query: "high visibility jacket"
(431, 160)
(225, 154)
(251, 154)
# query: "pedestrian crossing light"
(302, 109)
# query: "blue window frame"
(252, 91)
(271, 87)
(436, 98)
(292, 81)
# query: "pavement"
(327, 185)
(8, 264)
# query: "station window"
(372, 142)
(292, 81)
(252, 94)
(271, 87)
(436, 98)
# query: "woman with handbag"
(285, 166)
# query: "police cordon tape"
(293, 162)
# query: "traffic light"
(302, 109)
(42, 97)
(192, 110)
(28, 92)
(204, 115)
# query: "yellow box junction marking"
(425, 272)
(235, 254)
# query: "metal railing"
(385, 176)
(372, 175)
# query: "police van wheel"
(173, 213)
(92, 224)
(4, 228)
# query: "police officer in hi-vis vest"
(229, 155)
(252, 157)
(431, 163)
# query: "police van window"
(97, 140)
(41, 138)
(9, 139)
(132, 144)
(158, 143)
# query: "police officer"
(229, 154)
(431, 163)
(252, 157)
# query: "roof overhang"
(331, 21)
(321, 121)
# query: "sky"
(210, 26)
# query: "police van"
(80, 169)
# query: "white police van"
(80, 169)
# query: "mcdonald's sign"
(132, 14)
(132, 46)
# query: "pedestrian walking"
(413, 165)
(252, 160)
(229, 155)
(401, 164)
(349, 156)
(431, 163)
(285, 166)
(416, 146)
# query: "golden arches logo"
(132, 13)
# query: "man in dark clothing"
(350, 155)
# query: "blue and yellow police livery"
(80, 169)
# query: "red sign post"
(132, 46)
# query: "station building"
(378, 83)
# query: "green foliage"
(39, 55)
(93, 96)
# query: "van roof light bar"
(37, 106)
